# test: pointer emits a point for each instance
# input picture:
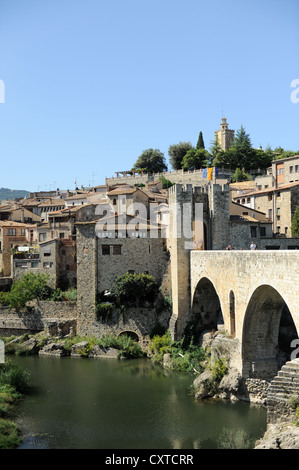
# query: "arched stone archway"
(131, 334)
(206, 307)
(268, 331)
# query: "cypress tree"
(200, 143)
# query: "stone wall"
(54, 318)
(97, 271)
(177, 176)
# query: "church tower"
(225, 136)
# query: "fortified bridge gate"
(255, 296)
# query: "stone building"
(12, 234)
(278, 203)
(224, 136)
(127, 199)
(133, 246)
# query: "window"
(34, 264)
(47, 265)
(21, 264)
(269, 197)
(42, 237)
(291, 169)
(105, 250)
(270, 214)
(117, 249)
(253, 232)
(262, 231)
(47, 251)
(22, 232)
(296, 168)
(11, 232)
(131, 271)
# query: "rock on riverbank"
(45, 346)
(282, 436)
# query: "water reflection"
(111, 404)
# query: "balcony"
(28, 256)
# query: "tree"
(29, 287)
(239, 155)
(240, 175)
(215, 152)
(295, 223)
(195, 159)
(152, 161)
(177, 152)
(139, 287)
(200, 143)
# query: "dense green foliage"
(151, 160)
(14, 381)
(234, 439)
(177, 152)
(200, 142)
(183, 358)
(29, 287)
(34, 287)
(141, 287)
(240, 175)
(242, 155)
(195, 159)
(165, 182)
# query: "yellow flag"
(210, 170)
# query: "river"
(77, 403)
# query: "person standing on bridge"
(253, 246)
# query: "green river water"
(77, 403)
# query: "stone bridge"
(254, 297)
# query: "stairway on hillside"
(284, 386)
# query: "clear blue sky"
(91, 84)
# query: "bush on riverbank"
(14, 382)
(181, 356)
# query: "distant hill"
(8, 194)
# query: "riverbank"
(13, 384)
(213, 379)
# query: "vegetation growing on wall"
(33, 287)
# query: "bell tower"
(225, 136)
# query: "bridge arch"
(268, 331)
(206, 306)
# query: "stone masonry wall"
(52, 317)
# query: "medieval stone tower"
(224, 136)
(183, 226)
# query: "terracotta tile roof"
(272, 189)
(117, 191)
(248, 218)
(77, 196)
(52, 202)
(11, 223)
